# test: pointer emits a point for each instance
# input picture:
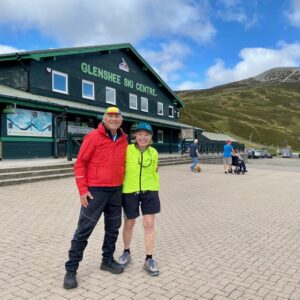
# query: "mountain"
(264, 109)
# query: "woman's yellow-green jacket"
(141, 173)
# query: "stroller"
(237, 164)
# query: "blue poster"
(29, 123)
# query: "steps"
(175, 160)
(47, 171)
(18, 175)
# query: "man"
(194, 154)
(227, 159)
(99, 173)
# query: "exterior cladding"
(41, 80)
(32, 72)
(27, 149)
(14, 75)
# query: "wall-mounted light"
(49, 70)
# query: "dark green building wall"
(41, 80)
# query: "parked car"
(256, 154)
(250, 152)
(269, 155)
(263, 153)
(286, 153)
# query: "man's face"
(112, 121)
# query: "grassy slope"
(269, 114)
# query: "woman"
(140, 190)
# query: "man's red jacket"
(101, 161)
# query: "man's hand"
(84, 199)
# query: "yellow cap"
(113, 110)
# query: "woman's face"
(143, 138)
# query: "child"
(140, 189)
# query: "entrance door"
(62, 138)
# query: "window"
(171, 111)
(133, 101)
(59, 82)
(160, 136)
(160, 108)
(144, 104)
(88, 90)
(110, 95)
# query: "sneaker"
(125, 259)
(111, 266)
(151, 267)
(226, 172)
(70, 281)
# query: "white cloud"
(253, 62)
(293, 14)
(8, 49)
(90, 22)
(168, 60)
(234, 11)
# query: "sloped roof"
(38, 54)
(217, 136)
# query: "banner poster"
(29, 123)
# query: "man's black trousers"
(109, 201)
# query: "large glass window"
(144, 104)
(133, 101)
(88, 90)
(110, 95)
(59, 82)
(160, 136)
(160, 108)
(171, 111)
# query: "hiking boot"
(70, 281)
(125, 259)
(151, 267)
(111, 266)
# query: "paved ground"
(218, 237)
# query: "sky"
(191, 44)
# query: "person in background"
(227, 160)
(194, 154)
(99, 173)
(140, 191)
(241, 160)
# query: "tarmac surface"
(219, 236)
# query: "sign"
(79, 129)
(187, 133)
(25, 122)
(123, 66)
(9, 109)
(117, 79)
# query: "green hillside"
(268, 114)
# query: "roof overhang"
(11, 95)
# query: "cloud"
(253, 61)
(168, 60)
(8, 49)
(293, 14)
(78, 23)
(235, 11)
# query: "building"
(211, 142)
(50, 99)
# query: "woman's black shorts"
(148, 201)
